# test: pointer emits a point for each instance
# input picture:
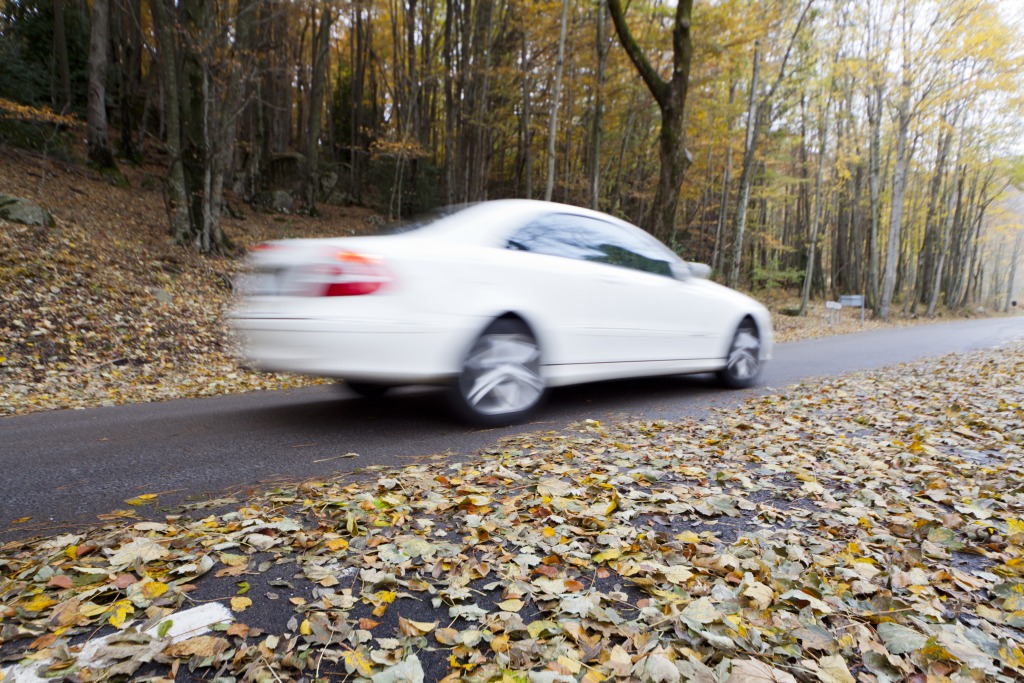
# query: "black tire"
(368, 389)
(743, 362)
(500, 382)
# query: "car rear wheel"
(500, 381)
(368, 389)
(743, 364)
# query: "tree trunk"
(321, 44)
(723, 205)
(595, 141)
(671, 99)
(956, 188)
(899, 187)
(177, 193)
(1011, 281)
(875, 101)
(60, 49)
(549, 185)
(816, 218)
(746, 170)
(99, 138)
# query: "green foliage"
(773, 277)
(21, 79)
(421, 187)
(34, 128)
(27, 61)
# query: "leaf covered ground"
(866, 528)
(103, 309)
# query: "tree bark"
(595, 140)
(671, 99)
(955, 190)
(60, 49)
(177, 192)
(899, 187)
(321, 45)
(1011, 280)
(99, 137)
(812, 242)
(549, 185)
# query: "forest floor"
(865, 528)
(104, 309)
(861, 528)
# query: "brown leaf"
(238, 629)
(122, 581)
(60, 581)
(203, 646)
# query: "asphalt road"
(63, 468)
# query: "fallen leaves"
(717, 561)
(102, 310)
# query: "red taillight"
(353, 274)
(351, 288)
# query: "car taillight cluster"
(351, 274)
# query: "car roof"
(482, 223)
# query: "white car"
(498, 301)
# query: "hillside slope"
(104, 308)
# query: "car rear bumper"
(361, 350)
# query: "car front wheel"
(500, 382)
(743, 364)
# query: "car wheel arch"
(512, 316)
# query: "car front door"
(612, 292)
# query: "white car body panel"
(448, 281)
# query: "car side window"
(590, 239)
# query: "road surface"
(62, 468)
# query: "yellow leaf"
(612, 506)
(91, 609)
(37, 603)
(1014, 527)
(412, 628)
(446, 636)
(336, 544)
(119, 612)
(358, 662)
(548, 532)
(297, 601)
(688, 537)
(500, 643)
(610, 554)
(571, 664)
(21, 520)
(1012, 656)
(513, 605)
(154, 589)
(306, 628)
(240, 603)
